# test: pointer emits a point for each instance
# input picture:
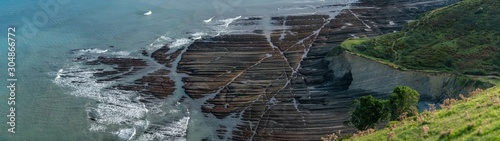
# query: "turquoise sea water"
(48, 107)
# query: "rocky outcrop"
(156, 84)
(121, 67)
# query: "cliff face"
(380, 79)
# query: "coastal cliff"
(369, 75)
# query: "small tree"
(368, 112)
(403, 100)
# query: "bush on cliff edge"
(369, 111)
(403, 101)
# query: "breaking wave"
(112, 108)
(89, 50)
(180, 43)
(175, 131)
(226, 22)
(159, 42)
(222, 26)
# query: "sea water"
(51, 33)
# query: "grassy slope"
(463, 38)
(474, 119)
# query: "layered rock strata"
(157, 84)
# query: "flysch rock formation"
(157, 83)
(281, 84)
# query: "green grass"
(350, 43)
(353, 46)
(472, 119)
(463, 38)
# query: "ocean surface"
(51, 33)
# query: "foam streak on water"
(176, 131)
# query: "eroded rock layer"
(121, 67)
(156, 84)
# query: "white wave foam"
(148, 13)
(208, 20)
(198, 35)
(114, 107)
(175, 131)
(229, 21)
(141, 123)
(180, 43)
(222, 26)
(117, 110)
(174, 43)
(155, 109)
(97, 128)
(159, 42)
(126, 134)
(91, 50)
(173, 111)
(59, 74)
(121, 53)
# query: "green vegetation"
(473, 118)
(463, 38)
(403, 101)
(369, 112)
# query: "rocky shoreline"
(280, 84)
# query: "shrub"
(368, 112)
(403, 100)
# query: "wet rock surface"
(121, 67)
(157, 83)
